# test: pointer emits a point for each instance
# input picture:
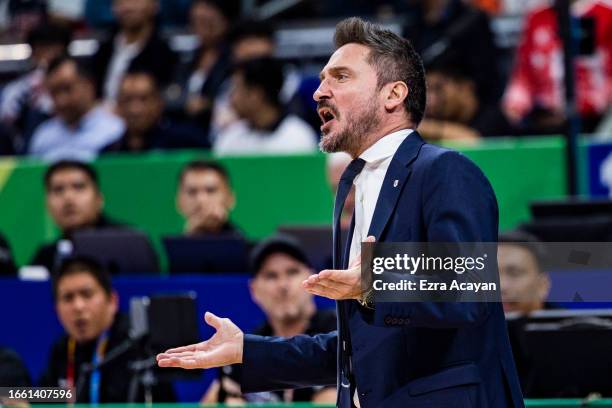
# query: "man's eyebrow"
(334, 70)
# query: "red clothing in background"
(537, 78)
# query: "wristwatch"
(367, 299)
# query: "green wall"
(271, 191)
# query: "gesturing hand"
(223, 348)
(338, 284)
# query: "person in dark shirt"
(455, 111)
(524, 288)
(141, 106)
(279, 265)
(136, 45)
(75, 203)
(205, 199)
(198, 79)
(13, 372)
(7, 265)
(450, 32)
(87, 308)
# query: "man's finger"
(213, 320)
(341, 277)
(181, 349)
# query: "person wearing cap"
(279, 266)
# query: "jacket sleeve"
(275, 363)
(458, 205)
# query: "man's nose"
(322, 92)
(78, 304)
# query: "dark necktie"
(346, 385)
(344, 186)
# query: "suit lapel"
(398, 172)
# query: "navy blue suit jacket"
(410, 354)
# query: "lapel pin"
(395, 183)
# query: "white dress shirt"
(369, 182)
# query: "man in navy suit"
(418, 354)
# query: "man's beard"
(358, 128)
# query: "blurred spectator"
(265, 126)
(7, 265)
(87, 307)
(13, 372)
(99, 13)
(75, 202)
(19, 17)
(279, 266)
(535, 94)
(198, 80)
(454, 111)
(336, 164)
(25, 102)
(141, 106)
(449, 32)
(524, 284)
(136, 45)
(205, 199)
(80, 127)
(252, 39)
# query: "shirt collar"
(385, 147)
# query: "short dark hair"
(229, 8)
(277, 244)
(82, 264)
(250, 29)
(83, 70)
(49, 34)
(265, 73)
(71, 165)
(393, 57)
(203, 165)
(525, 240)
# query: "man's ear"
(396, 93)
(254, 292)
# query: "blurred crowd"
(230, 92)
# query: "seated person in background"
(87, 308)
(205, 199)
(279, 266)
(252, 39)
(13, 372)
(199, 78)
(141, 106)
(524, 289)
(524, 284)
(80, 127)
(264, 127)
(535, 96)
(75, 202)
(7, 265)
(454, 111)
(135, 45)
(25, 103)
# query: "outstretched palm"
(223, 348)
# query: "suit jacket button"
(394, 320)
(400, 321)
(406, 321)
(388, 320)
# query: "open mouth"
(326, 115)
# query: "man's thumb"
(213, 320)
